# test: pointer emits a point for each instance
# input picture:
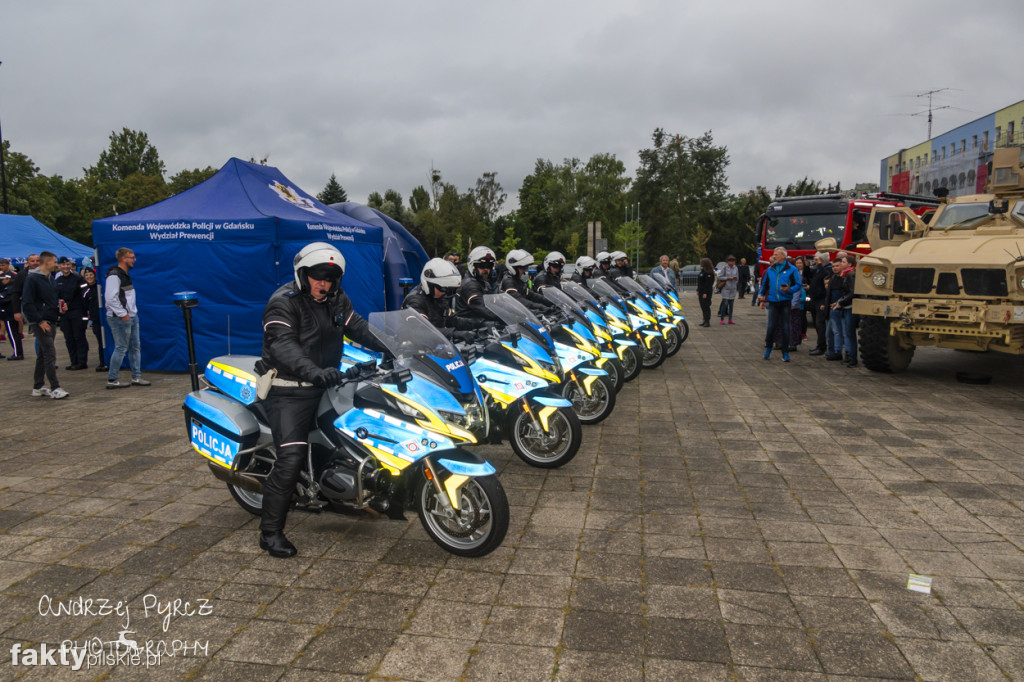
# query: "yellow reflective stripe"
(544, 414)
(452, 485)
(503, 398)
(390, 462)
(588, 382)
(233, 371)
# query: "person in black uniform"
(74, 318)
(304, 326)
(551, 276)
(705, 287)
(584, 270)
(469, 299)
(439, 281)
(93, 317)
(17, 288)
(515, 281)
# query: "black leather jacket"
(439, 313)
(301, 336)
(469, 299)
(517, 288)
(546, 279)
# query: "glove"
(461, 335)
(359, 370)
(327, 378)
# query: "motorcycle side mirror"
(401, 378)
(515, 339)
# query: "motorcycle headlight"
(409, 410)
(879, 279)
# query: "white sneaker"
(58, 393)
(41, 392)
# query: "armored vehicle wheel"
(879, 350)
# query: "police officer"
(551, 276)
(469, 299)
(439, 281)
(304, 326)
(585, 266)
(621, 265)
(515, 281)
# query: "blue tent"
(21, 235)
(403, 254)
(231, 239)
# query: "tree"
(129, 153)
(333, 192)
(489, 196)
(419, 199)
(188, 179)
(680, 183)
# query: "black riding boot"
(277, 498)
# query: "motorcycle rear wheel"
(477, 527)
(593, 408)
(545, 450)
(248, 500)
(655, 355)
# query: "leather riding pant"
(292, 415)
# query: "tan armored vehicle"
(956, 281)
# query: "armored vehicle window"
(962, 214)
(1018, 210)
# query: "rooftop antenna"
(929, 94)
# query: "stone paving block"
(771, 647)
(587, 666)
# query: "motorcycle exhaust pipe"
(235, 479)
(187, 300)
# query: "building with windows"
(958, 159)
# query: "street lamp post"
(3, 168)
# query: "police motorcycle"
(667, 324)
(574, 328)
(387, 441)
(615, 333)
(640, 318)
(590, 389)
(521, 382)
(662, 293)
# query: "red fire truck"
(796, 223)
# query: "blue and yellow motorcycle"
(388, 442)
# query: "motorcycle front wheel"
(632, 363)
(476, 527)
(615, 376)
(593, 408)
(550, 449)
(684, 330)
(655, 355)
(672, 342)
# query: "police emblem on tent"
(294, 198)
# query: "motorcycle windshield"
(513, 313)
(653, 283)
(631, 286)
(610, 295)
(417, 345)
(579, 292)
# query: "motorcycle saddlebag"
(219, 428)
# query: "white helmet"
(321, 261)
(442, 274)
(585, 263)
(554, 258)
(603, 258)
(519, 258)
(618, 255)
(481, 255)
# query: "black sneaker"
(117, 384)
(817, 351)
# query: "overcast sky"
(377, 92)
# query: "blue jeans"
(850, 334)
(836, 324)
(778, 315)
(126, 340)
(725, 308)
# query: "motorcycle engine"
(338, 483)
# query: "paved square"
(733, 519)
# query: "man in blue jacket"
(780, 291)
